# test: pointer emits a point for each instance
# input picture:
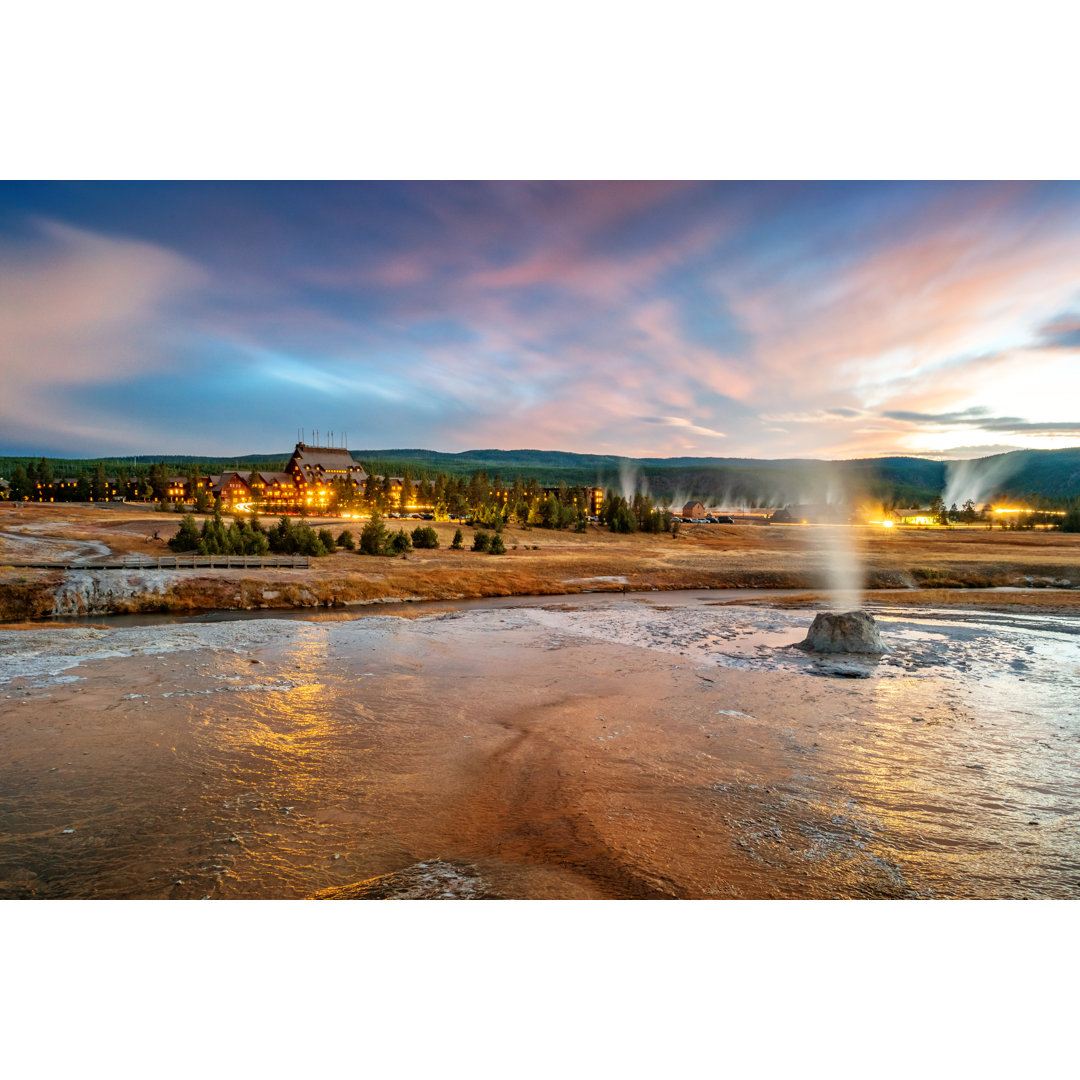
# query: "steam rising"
(977, 479)
(630, 481)
(844, 572)
(843, 569)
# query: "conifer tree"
(99, 489)
(373, 536)
(21, 488)
(187, 536)
(45, 479)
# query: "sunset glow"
(640, 319)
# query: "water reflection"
(614, 748)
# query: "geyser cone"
(851, 632)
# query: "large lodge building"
(311, 477)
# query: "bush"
(326, 538)
(425, 537)
(399, 543)
(345, 540)
(307, 543)
(457, 544)
(497, 546)
(481, 542)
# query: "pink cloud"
(82, 308)
(967, 275)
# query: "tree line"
(37, 480)
(248, 536)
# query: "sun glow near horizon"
(766, 320)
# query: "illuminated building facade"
(317, 470)
(594, 497)
(274, 490)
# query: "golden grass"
(540, 562)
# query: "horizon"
(769, 321)
(373, 455)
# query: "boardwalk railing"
(175, 562)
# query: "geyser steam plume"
(844, 575)
(630, 482)
(976, 480)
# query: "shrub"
(457, 544)
(425, 537)
(481, 541)
(326, 538)
(398, 543)
(497, 546)
(345, 540)
(307, 543)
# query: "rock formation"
(851, 632)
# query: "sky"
(769, 320)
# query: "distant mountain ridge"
(1029, 474)
(1032, 475)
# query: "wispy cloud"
(785, 320)
(979, 418)
(686, 425)
(1061, 333)
(79, 308)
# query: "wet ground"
(646, 746)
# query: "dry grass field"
(923, 565)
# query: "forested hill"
(74, 466)
(1034, 475)
(1051, 476)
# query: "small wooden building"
(231, 488)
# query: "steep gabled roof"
(318, 464)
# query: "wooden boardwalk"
(172, 562)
